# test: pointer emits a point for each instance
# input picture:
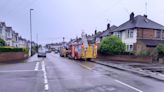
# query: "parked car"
(41, 53)
(48, 51)
(56, 51)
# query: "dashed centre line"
(36, 66)
(138, 90)
(46, 86)
(86, 67)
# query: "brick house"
(140, 33)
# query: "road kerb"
(142, 73)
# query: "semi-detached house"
(14, 39)
(9, 32)
(3, 31)
(140, 33)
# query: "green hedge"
(160, 49)
(9, 49)
(111, 45)
(2, 42)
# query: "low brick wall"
(127, 58)
(12, 56)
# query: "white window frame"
(118, 34)
(130, 47)
(130, 33)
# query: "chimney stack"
(145, 16)
(108, 26)
(95, 32)
(132, 16)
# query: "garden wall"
(127, 58)
(12, 56)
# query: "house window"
(129, 47)
(163, 34)
(0, 30)
(158, 34)
(118, 34)
(130, 33)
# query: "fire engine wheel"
(88, 59)
(75, 58)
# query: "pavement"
(58, 74)
(155, 71)
(20, 77)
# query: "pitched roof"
(106, 32)
(98, 34)
(140, 22)
(8, 29)
(3, 23)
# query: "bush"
(26, 50)
(144, 53)
(112, 45)
(2, 42)
(11, 49)
(160, 49)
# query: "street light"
(30, 50)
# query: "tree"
(2, 42)
(111, 45)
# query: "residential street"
(56, 74)
(81, 46)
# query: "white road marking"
(45, 81)
(46, 87)
(82, 65)
(36, 66)
(160, 74)
(86, 67)
(129, 86)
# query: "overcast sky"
(54, 19)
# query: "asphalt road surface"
(57, 74)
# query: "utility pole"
(30, 50)
(146, 7)
(37, 38)
(37, 42)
